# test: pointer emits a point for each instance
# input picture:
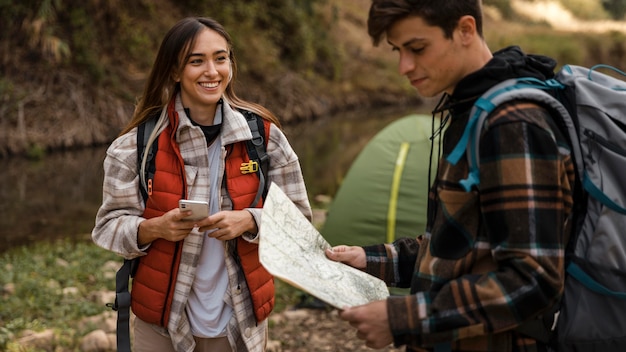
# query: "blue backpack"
(590, 109)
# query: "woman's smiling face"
(205, 75)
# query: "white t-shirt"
(208, 313)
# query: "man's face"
(432, 63)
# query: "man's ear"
(466, 28)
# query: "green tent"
(384, 193)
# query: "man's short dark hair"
(440, 13)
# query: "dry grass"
(562, 19)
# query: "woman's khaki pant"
(148, 340)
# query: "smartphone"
(199, 209)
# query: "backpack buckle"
(249, 167)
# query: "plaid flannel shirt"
(493, 257)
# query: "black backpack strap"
(122, 304)
(143, 135)
(127, 271)
(257, 151)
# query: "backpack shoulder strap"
(122, 304)
(122, 294)
(257, 150)
(514, 89)
(143, 135)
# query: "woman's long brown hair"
(161, 87)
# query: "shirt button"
(247, 332)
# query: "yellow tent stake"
(395, 188)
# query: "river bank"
(71, 82)
(82, 97)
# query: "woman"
(190, 291)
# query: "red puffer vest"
(155, 278)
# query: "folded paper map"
(292, 249)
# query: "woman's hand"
(228, 224)
(169, 226)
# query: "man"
(491, 259)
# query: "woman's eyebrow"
(217, 52)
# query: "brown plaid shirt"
(493, 257)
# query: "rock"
(44, 340)
(323, 199)
(273, 346)
(62, 262)
(8, 289)
(299, 314)
(70, 291)
(103, 296)
(304, 330)
(106, 321)
(96, 341)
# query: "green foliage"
(33, 25)
(269, 33)
(568, 51)
(586, 49)
(83, 35)
(104, 39)
(586, 9)
(12, 13)
(40, 273)
(36, 152)
(5, 337)
(617, 8)
(6, 87)
(504, 6)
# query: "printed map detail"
(292, 249)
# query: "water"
(51, 198)
(59, 196)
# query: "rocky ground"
(313, 330)
(294, 330)
(309, 329)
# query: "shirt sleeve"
(118, 218)
(393, 262)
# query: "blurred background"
(70, 72)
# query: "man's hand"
(351, 255)
(371, 322)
